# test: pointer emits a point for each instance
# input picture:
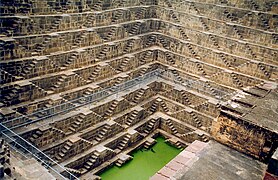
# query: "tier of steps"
(89, 164)
(64, 150)
(150, 126)
(133, 115)
(123, 143)
(111, 109)
(171, 126)
(102, 133)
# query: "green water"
(145, 163)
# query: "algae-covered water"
(145, 163)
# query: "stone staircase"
(70, 61)
(169, 58)
(94, 74)
(124, 64)
(203, 137)
(74, 171)
(133, 115)
(164, 106)
(176, 74)
(41, 47)
(154, 106)
(38, 133)
(163, 42)
(124, 142)
(201, 69)
(206, 28)
(78, 41)
(151, 39)
(262, 67)
(195, 119)
(98, 5)
(89, 164)
(171, 126)
(138, 96)
(183, 34)
(185, 97)
(142, 71)
(111, 109)
(77, 123)
(57, 131)
(64, 150)
(102, 133)
(135, 28)
(55, 25)
(27, 69)
(43, 91)
(119, 14)
(90, 20)
(215, 43)
(61, 80)
(103, 52)
(236, 80)
(150, 126)
(191, 50)
(110, 34)
(224, 59)
(129, 45)
(212, 90)
(145, 57)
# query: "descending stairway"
(135, 28)
(146, 56)
(98, 5)
(41, 47)
(89, 164)
(78, 41)
(61, 80)
(110, 34)
(129, 45)
(77, 123)
(111, 109)
(124, 64)
(164, 106)
(138, 96)
(27, 69)
(150, 126)
(119, 14)
(154, 106)
(131, 118)
(185, 97)
(195, 118)
(70, 61)
(171, 126)
(64, 150)
(103, 52)
(124, 142)
(38, 133)
(178, 77)
(169, 58)
(94, 74)
(262, 67)
(236, 80)
(102, 133)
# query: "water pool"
(145, 163)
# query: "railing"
(76, 103)
(194, 84)
(20, 143)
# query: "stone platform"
(212, 161)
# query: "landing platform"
(212, 161)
